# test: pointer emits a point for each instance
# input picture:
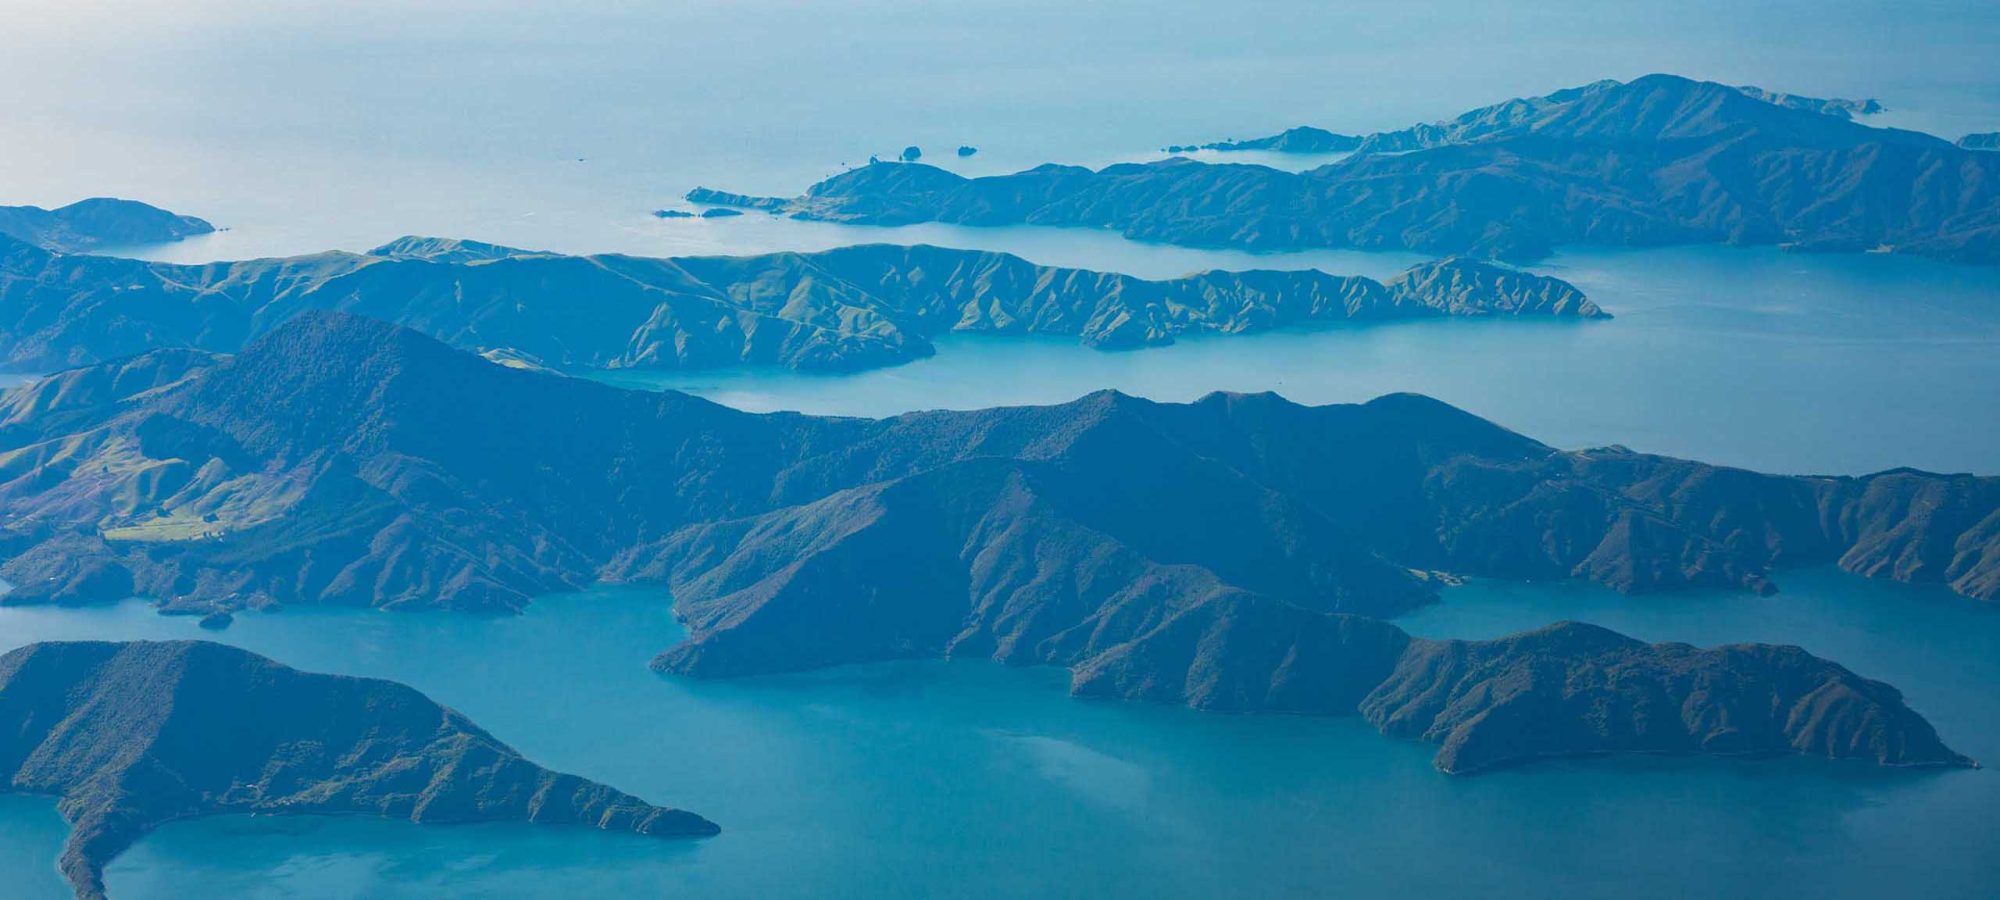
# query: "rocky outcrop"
(131, 736)
(101, 221)
(1659, 160)
(845, 309)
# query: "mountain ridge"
(155, 474)
(97, 222)
(846, 309)
(1237, 552)
(1656, 161)
(127, 737)
(1497, 118)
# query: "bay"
(967, 778)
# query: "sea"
(302, 127)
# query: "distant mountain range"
(337, 460)
(1487, 121)
(1655, 161)
(851, 308)
(131, 736)
(99, 222)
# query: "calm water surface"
(1748, 357)
(308, 126)
(302, 129)
(972, 779)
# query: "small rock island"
(130, 736)
(1989, 140)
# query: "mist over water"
(305, 127)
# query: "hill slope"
(849, 308)
(1658, 160)
(97, 222)
(1228, 553)
(131, 736)
(341, 460)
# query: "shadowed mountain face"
(1566, 690)
(342, 460)
(1225, 553)
(98, 222)
(851, 308)
(131, 736)
(1659, 160)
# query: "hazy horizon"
(319, 128)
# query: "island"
(1655, 161)
(101, 221)
(1566, 690)
(1989, 140)
(1578, 690)
(846, 309)
(130, 736)
(1238, 552)
(965, 150)
(1302, 139)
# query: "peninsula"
(1655, 161)
(839, 310)
(1487, 121)
(101, 221)
(130, 736)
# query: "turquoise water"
(973, 779)
(1750, 357)
(301, 129)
